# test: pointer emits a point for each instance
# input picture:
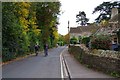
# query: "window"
(115, 40)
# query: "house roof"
(115, 18)
(75, 30)
(81, 29)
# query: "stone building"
(82, 31)
(114, 24)
(113, 29)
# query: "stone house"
(114, 23)
(113, 28)
(82, 31)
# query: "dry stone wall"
(103, 60)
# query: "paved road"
(49, 67)
(35, 66)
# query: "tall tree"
(34, 31)
(12, 32)
(26, 23)
(9, 29)
(46, 14)
(81, 18)
(16, 25)
(105, 10)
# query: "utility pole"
(68, 35)
(68, 26)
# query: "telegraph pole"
(68, 35)
(68, 26)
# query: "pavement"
(77, 70)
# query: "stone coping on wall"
(100, 52)
(106, 53)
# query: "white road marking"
(61, 65)
(63, 68)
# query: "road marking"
(61, 65)
(67, 69)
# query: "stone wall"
(106, 61)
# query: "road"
(35, 66)
(58, 64)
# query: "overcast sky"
(72, 7)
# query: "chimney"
(114, 12)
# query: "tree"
(25, 24)
(104, 23)
(66, 38)
(16, 26)
(33, 32)
(105, 10)
(9, 20)
(81, 17)
(60, 39)
(46, 14)
(11, 31)
(21, 10)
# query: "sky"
(69, 9)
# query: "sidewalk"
(78, 70)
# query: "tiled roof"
(81, 29)
(75, 30)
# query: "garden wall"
(106, 61)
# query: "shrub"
(7, 55)
(80, 39)
(101, 42)
(60, 43)
(73, 40)
(86, 40)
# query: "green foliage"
(25, 24)
(60, 43)
(79, 38)
(101, 42)
(61, 40)
(115, 74)
(7, 56)
(73, 40)
(11, 31)
(85, 40)
(46, 14)
(81, 17)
